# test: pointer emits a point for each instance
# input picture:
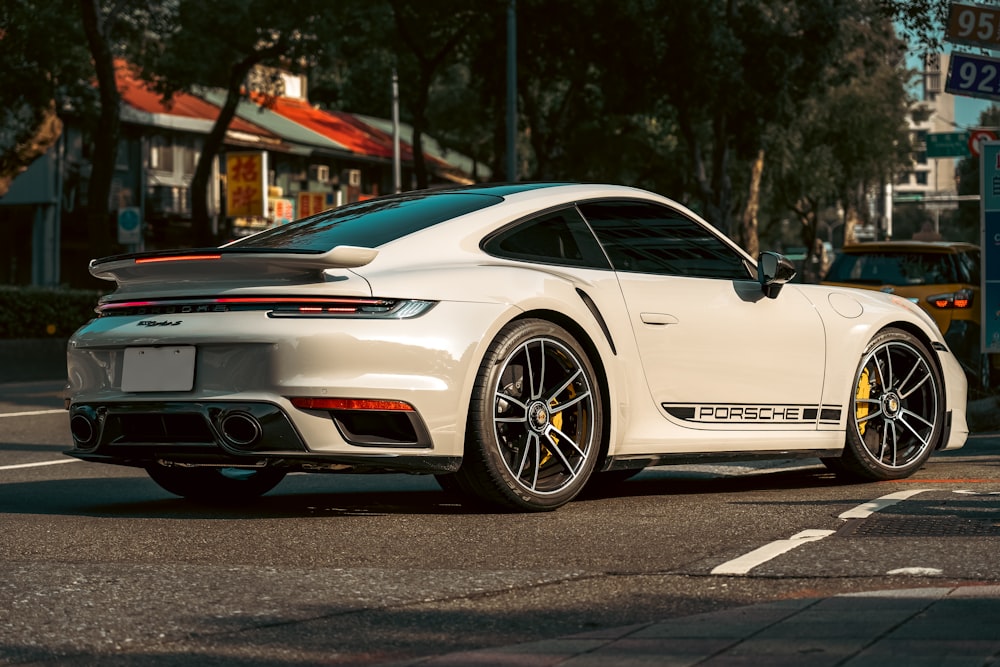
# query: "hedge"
(42, 312)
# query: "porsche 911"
(520, 342)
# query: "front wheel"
(535, 420)
(215, 485)
(897, 410)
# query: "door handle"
(658, 318)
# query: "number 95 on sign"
(973, 76)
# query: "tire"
(896, 414)
(535, 420)
(216, 485)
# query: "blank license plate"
(158, 369)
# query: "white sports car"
(519, 342)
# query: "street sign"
(977, 137)
(974, 25)
(973, 76)
(947, 144)
(129, 226)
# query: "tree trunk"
(203, 235)
(748, 223)
(108, 131)
(851, 220)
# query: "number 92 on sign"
(973, 76)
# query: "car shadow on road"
(135, 496)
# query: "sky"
(967, 110)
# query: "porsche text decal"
(751, 413)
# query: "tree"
(217, 45)
(46, 73)
(419, 41)
(850, 137)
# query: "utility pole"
(397, 177)
(511, 91)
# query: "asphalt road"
(100, 566)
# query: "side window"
(648, 238)
(560, 237)
(969, 261)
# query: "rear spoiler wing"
(226, 264)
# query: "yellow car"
(943, 277)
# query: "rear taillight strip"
(275, 306)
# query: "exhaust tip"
(241, 429)
(83, 427)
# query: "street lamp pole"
(511, 91)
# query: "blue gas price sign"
(989, 170)
(973, 76)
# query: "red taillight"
(941, 302)
(308, 403)
(175, 258)
(963, 299)
(960, 299)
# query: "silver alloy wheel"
(896, 405)
(543, 416)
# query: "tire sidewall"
(510, 338)
(862, 458)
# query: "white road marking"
(38, 464)
(749, 561)
(33, 412)
(866, 510)
(918, 571)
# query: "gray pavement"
(958, 625)
(913, 627)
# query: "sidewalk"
(914, 627)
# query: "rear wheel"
(535, 420)
(897, 410)
(215, 485)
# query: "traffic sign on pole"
(977, 137)
(947, 144)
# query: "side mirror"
(773, 271)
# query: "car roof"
(909, 246)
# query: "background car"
(519, 342)
(941, 277)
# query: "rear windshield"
(368, 224)
(893, 268)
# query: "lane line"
(39, 464)
(757, 557)
(867, 509)
(749, 561)
(32, 413)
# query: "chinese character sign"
(311, 203)
(282, 210)
(990, 244)
(246, 189)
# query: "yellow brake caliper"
(863, 392)
(557, 422)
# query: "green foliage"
(676, 96)
(37, 312)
